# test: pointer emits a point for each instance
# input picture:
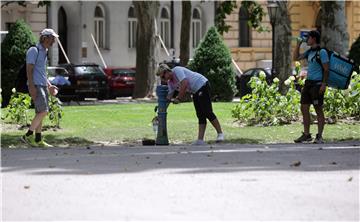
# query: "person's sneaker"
(303, 138)
(43, 144)
(29, 140)
(220, 137)
(318, 139)
(198, 143)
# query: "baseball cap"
(162, 67)
(49, 32)
(315, 34)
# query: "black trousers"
(202, 103)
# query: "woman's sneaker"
(318, 139)
(303, 138)
(199, 143)
(220, 137)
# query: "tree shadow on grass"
(14, 141)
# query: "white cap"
(49, 32)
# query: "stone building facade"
(304, 16)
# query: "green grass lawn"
(130, 123)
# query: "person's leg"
(216, 125)
(201, 131)
(41, 104)
(201, 119)
(205, 101)
(36, 123)
(305, 110)
(320, 118)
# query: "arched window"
(196, 27)
(99, 26)
(165, 26)
(244, 29)
(132, 23)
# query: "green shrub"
(343, 103)
(13, 55)
(19, 106)
(55, 111)
(266, 106)
(354, 54)
(213, 59)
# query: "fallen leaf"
(350, 179)
(295, 164)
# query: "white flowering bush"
(266, 106)
(18, 108)
(20, 104)
(343, 103)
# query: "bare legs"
(202, 128)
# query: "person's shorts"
(42, 99)
(310, 94)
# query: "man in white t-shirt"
(185, 80)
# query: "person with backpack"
(183, 80)
(315, 85)
(39, 86)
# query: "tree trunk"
(146, 47)
(185, 33)
(334, 35)
(283, 56)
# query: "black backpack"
(21, 80)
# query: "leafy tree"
(24, 3)
(146, 43)
(212, 59)
(222, 9)
(225, 8)
(13, 53)
(185, 34)
(334, 34)
(354, 54)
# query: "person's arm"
(297, 56)
(182, 89)
(31, 86)
(325, 77)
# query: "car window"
(57, 72)
(88, 70)
(248, 72)
(124, 72)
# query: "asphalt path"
(181, 182)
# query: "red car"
(121, 81)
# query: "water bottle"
(298, 39)
(155, 124)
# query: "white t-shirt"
(196, 80)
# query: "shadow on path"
(216, 158)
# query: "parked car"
(121, 81)
(242, 80)
(77, 82)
